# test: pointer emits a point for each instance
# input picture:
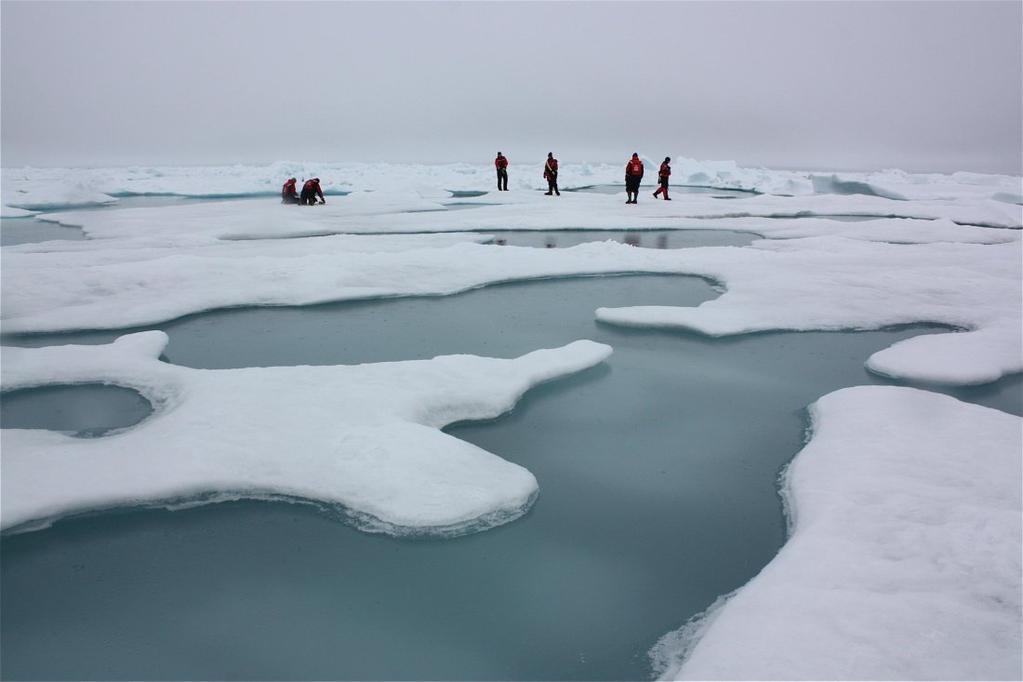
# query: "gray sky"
(916, 85)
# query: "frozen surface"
(829, 283)
(9, 212)
(680, 436)
(904, 555)
(147, 265)
(365, 437)
(47, 188)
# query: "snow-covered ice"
(903, 560)
(147, 265)
(9, 212)
(366, 437)
(49, 188)
(904, 556)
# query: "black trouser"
(502, 177)
(308, 198)
(552, 183)
(632, 184)
(289, 199)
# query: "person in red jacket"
(501, 164)
(633, 176)
(662, 178)
(310, 190)
(550, 173)
(289, 195)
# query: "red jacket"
(289, 189)
(550, 168)
(665, 170)
(501, 162)
(312, 186)
(634, 168)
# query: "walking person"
(550, 173)
(662, 178)
(501, 164)
(633, 176)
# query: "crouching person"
(311, 190)
(289, 194)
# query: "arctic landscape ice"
(429, 430)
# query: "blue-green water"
(82, 410)
(658, 493)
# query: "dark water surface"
(658, 493)
(650, 239)
(83, 410)
(31, 231)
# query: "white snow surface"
(903, 561)
(142, 266)
(365, 437)
(49, 188)
(8, 212)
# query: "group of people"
(310, 191)
(633, 176)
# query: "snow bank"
(55, 187)
(904, 555)
(366, 437)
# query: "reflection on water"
(657, 476)
(84, 410)
(653, 239)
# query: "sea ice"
(365, 437)
(903, 560)
(50, 188)
(144, 266)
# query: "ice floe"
(50, 188)
(376, 214)
(903, 560)
(147, 265)
(363, 438)
(833, 283)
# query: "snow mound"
(363, 440)
(903, 560)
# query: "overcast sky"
(915, 85)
